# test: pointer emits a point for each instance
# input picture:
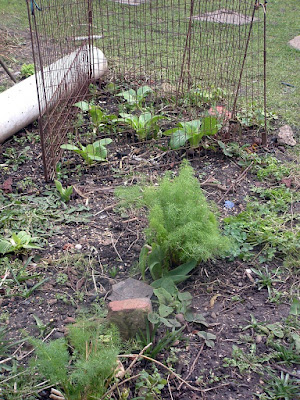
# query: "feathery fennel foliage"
(181, 221)
(81, 364)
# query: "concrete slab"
(224, 16)
(295, 42)
(131, 2)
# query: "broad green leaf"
(129, 95)
(197, 318)
(195, 140)
(58, 186)
(153, 318)
(295, 307)
(97, 115)
(68, 146)
(170, 132)
(83, 105)
(276, 329)
(185, 296)
(144, 119)
(163, 296)
(5, 246)
(209, 126)
(105, 142)
(165, 310)
(178, 139)
(143, 91)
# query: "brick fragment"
(129, 315)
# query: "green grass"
(162, 51)
(283, 60)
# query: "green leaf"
(154, 318)
(197, 318)
(185, 297)
(209, 126)
(83, 105)
(178, 139)
(295, 307)
(143, 91)
(276, 329)
(68, 146)
(165, 310)
(163, 296)
(129, 95)
(5, 246)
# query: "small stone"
(286, 136)
(281, 148)
(129, 315)
(130, 289)
(180, 318)
(57, 335)
(69, 320)
(78, 246)
(213, 315)
(295, 42)
(52, 301)
(258, 339)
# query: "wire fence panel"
(205, 55)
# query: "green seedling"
(98, 116)
(149, 385)
(201, 96)
(192, 131)
(265, 279)
(27, 70)
(65, 193)
(144, 125)
(92, 152)
(134, 98)
(208, 338)
(18, 242)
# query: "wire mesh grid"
(204, 55)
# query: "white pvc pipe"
(19, 105)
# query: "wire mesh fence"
(204, 56)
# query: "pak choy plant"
(99, 117)
(136, 98)
(192, 132)
(95, 152)
(83, 363)
(182, 227)
(18, 243)
(144, 125)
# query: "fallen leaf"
(213, 300)
(6, 186)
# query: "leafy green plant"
(18, 242)
(271, 169)
(246, 361)
(136, 98)
(266, 225)
(144, 125)
(255, 116)
(83, 364)
(65, 193)
(200, 96)
(181, 222)
(99, 117)
(265, 279)
(27, 70)
(15, 158)
(192, 131)
(149, 385)
(208, 338)
(92, 152)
